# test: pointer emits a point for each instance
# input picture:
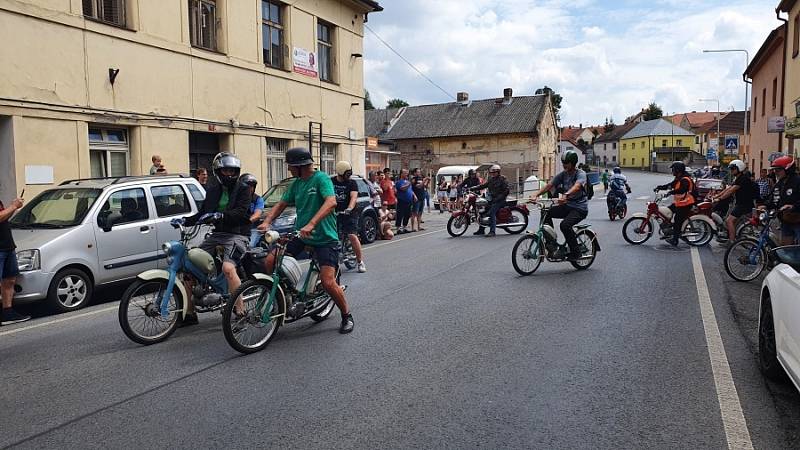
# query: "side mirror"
(103, 222)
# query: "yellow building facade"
(637, 146)
(96, 87)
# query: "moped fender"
(641, 215)
(160, 274)
(594, 238)
(458, 213)
(271, 279)
(701, 217)
(521, 208)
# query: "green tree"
(396, 103)
(367, 101)
(653, 112)
(554, 97)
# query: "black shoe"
(10, 316)
(189, 320)
(673, 241)
(480, 232)
(347, 324)
(572, 257)
(490, 234)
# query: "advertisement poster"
(305, 62)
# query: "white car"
(779, 318)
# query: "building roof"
(375, 121)
(732, 122)
(657, 127)
(372, 5)
(786, 5)
(570, 134)
(770, 45)
(616, 134)
(697, 119)
(481, 117)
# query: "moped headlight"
(28, 260)
(166, 247)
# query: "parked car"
(90, 232)
(779, 318)
(366, 213)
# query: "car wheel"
(369, 229)
(767, 348)
(69, 290)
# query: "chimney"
(508, 96)
(462, 98)
(580, 126)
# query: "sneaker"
(362, 267)
(479, 233)
(490, 234)
(189, 320)
(347, 324)
(10, 316)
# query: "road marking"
(736, 432)
(642, 198)
(402, 239)
(65, 319)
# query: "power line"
(408, 62)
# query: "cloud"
(606, 58)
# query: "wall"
(630, 157)
(8, 184)
(607, 150)
(792, 82)
(761, 142)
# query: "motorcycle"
(155, 304)
(512, 218)
(616, 206)
(531, 249)
(697, 230)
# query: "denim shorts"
(327, 255)
(348, 224)
(8, 264)
(417, 207)
(234, 245)
(791, 230)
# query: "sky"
(606, 58)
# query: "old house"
(606, 146)
(791, 94)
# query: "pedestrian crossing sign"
(731, 144)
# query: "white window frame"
(96, 11)
(276, 161)
(327, 158)
(196, 25)
(106, 147)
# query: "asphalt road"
(452, 349)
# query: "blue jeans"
(255, 237)
(496, 206)
(8, 264)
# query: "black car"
(366, 213)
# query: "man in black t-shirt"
(418, 187)
(346, 191)
(744, 190)
(8, 264)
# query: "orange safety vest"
(686, 199)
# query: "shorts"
(235, 246)
(441, 194)
(327, 255)
(788, 230)
(417, 207)
(740, 211)
(347, 224)
(8, 264)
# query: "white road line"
(642, 198)
(65, 319)
(736, 432)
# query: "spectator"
(388, 196)
(161, 170)
(459, 192)
(256, 207)
(765, 185)
(405, 198)
(604, 179)
(418, 204)
(385, 218)
(452, 193)
(156, 164)
(8, 265)
(202, 176)
(426, 183)
(441, 194)
(375, 190)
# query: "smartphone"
(22, 194)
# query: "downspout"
(783, 70)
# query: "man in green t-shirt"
(312, 194)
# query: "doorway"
(202, 149)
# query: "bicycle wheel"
(348, 255)
(329, 304)
(747, 229)
(697, 233)
(588, 250)
(527, 254)
(252, 327)
(745, 260)
(637, 230)
(140, 315)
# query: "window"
(463, 146)
(197, 194)
(663, 142)
(796, 45)
(276, 161)
(123, 207)
(642, 162)
(624, 161)
(108, 11)
(170, 200)
(774, 93)
(325, 51)
(614, 146)
(108, 152)
(679, 143)
(633, 145)
(203, 23)
(272, 24)
(327, 158)
(755, 108)
(624, 146)
(604, 147)
(763, 102)
(613, 158)
(697, 139)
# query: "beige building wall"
(58, 83)
(768, 77)
(792, 81)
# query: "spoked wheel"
(251, 325)
(588, 250)
(348, 255)
(767, 348)
(527, 254)
(329, 304)
(744, 261)
(457, 225)
(517, 217)
(140, 314)
(747, 230)
(637, 230)
(697, 233)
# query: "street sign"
(732, 144)
(776, 124)
(711, 155)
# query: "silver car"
(86, 233)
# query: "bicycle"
(751, 254)
(347, 255)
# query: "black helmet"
(298, 156)
(226, 160)
(678, 167)
(569, 157)
(617, 170)
(248, 179)
(470, 172)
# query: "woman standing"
(441, 194)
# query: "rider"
(744, 189)
(346, 191)
(312, 194)
(256, 206)
(498, 191)
(786, 199)
(682, 188)
(471, 181)
(227, 204)
(619, 185)
(573, 205)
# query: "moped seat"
(582, 226)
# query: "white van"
(450, 173)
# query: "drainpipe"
(783, 69)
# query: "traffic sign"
(711, 155)
(732, 144)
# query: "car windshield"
(275, 193)
(789, 255)
(56, 208)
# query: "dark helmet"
(226, 160)
(470, 172)
(678, 167)
(298, 156)
(248, 179)
(617, 170)
(569, 157)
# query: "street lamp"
(744, 78)
(718, 114)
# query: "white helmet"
(494, 168)
(342, 167)
(739, 164)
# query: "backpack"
(617, 184)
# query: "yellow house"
(791, 81)
(93, 88)
(667, 140)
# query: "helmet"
(344, 169)
(471, 172)
(248, 179)
(298, 156)
(226, 160)
(739, 164)
(617, 170)
(784, 162)
(494, 168)
(678, 167)
(570, 157)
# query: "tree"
(653, 112)
(609, 125)
(367, 101)
(396, 103)
(554, 97)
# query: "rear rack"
(117, 180)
